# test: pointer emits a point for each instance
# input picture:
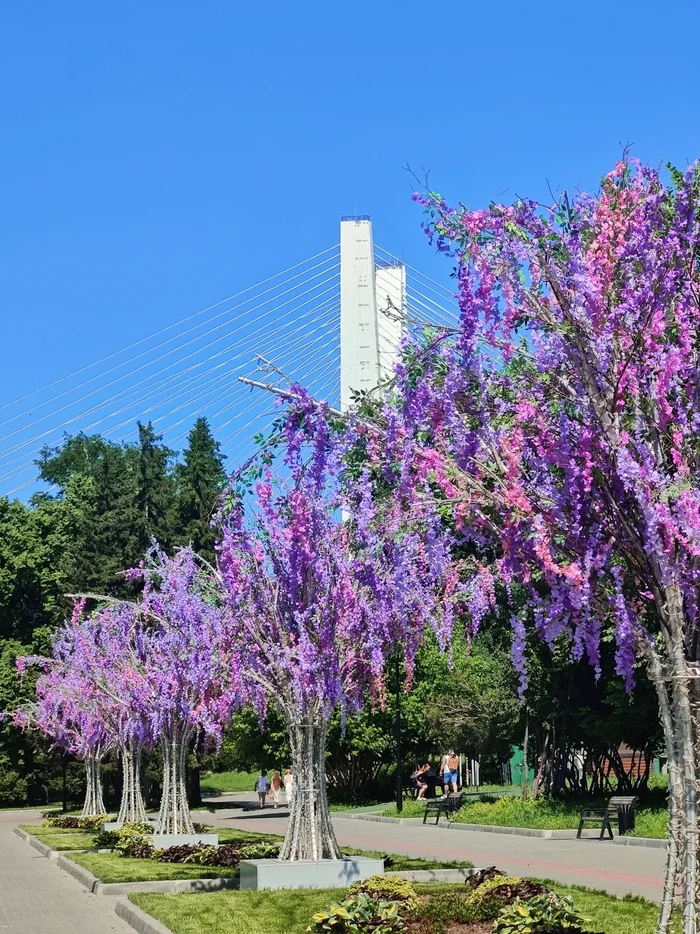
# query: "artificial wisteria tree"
(105, 649)
(69, 713)
(560, 425)
(316, 604)
(179, 677)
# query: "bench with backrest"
(620, 807)
(446, 805)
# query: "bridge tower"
(372, 310)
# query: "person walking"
(276, 788)
(289, 786)
(262, 787)
(449, 771)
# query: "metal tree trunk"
(174, 815)
(310, 833)
(132, 809)
(674, 688)
(94, 803)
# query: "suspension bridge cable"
(130, 389)
(327, 318)
(150, 363)
(165, 329)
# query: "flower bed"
(291, 911)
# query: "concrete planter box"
(161, 841)
(307, 874)
(117, 825)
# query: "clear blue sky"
(157, 156)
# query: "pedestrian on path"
(289, 786)
(276, 788)
(262, 787)
(449, 770)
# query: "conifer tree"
(200, 478)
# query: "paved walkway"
(617, 869)
(36, 897)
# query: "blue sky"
(159, 156)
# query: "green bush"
(388, 888)
(359, 914)
(540, 915)
(133, 844)
(108, 839)
(483, 899)
(259, 851)
(505, 890)
(77, 823)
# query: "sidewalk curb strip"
(82, 875)
(433, 875)
(140, 921)
(168, 886)
(651, 842)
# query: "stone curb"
(37, 844)
(480, 828)
(651, 842)
(515, 831)
(82, 875)
(168, 886)
(433, 875)
(141, 922)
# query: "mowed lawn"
(541, 814)
(286, 912)
(110, 867)
(218, 783)
(59, 838)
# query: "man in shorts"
(449, 770)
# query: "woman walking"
(276, 787)
(289, 786)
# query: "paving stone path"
(36, 897)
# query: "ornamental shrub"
(77, 823)
(390, 889)
(178, 854)
(359, 914)
(228, 854)
(108, 839)
(134, 844)
(544, 914)
(499, 890)
(259, 851)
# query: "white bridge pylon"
(372, 310)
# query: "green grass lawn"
(59, 838)
(217, 783)
(286, 912)
(234, 835)
(548, 814)
(651, 822)
(110, 867)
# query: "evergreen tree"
(200, 478)
(155, 488)
(98, 484)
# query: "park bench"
(448, 804)
(620, 807)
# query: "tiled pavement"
(36, 897)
